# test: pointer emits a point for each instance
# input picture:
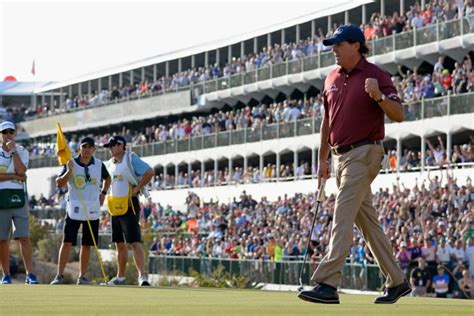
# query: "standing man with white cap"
(130, 175)
(13, 206)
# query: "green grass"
(95, 300)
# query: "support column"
(155, 72)
(423, 153)
(180, 64)
(399, 153)
(261, 166)
(364, 14)
(120, 80)
(269, 41)
(382, 7)
(202, 172)
(51, 96)
(297, 31)
(242, 49)
(329, 23)
(109, 88)
(295, 163)
(255, 45)
(218, 56)
(313, 28)
(176, 175)
(282, 37)
(165, 172)
(278, 163)
(132, 78)
(143, 73)
(89, 87)
(62, 104)
(229, 54)
(189, 174)
(167, 68)
(216, 171)
(449, 138)
(193, 61)
(402, 7)
(206, 58)
(99, 85)
(314, 152)
(229, 179)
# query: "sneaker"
(58, 279)
(83, 281)
(7, 279)
(116, 281)
(143, 281)
(31, 279)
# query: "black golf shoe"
(392, 294)
(322, 293)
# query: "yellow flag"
(64, 153)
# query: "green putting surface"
(18, 299)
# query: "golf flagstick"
(319, 199)
(92, 234)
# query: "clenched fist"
(372, 88)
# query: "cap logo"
(338, 31)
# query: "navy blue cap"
(344, 33)
(88, 141)
(114, 140)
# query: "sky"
(67, 39)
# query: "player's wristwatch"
(382, 98)
(103, 192)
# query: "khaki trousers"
(355, 171)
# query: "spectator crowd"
(430, 227)
(378, 26)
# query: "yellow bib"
(117, 205)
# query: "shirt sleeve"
(63, 171)
(139, 166)
(387, 87)
(24, 155)
(104, 172)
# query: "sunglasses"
(8, 131)
(88, 175)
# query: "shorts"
(126, 228)
(19, 218)
(71, 228)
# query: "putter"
(319, 199)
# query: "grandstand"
(239, 119)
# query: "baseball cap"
(344, 33)
(114, 140)
(7, 125)
(440, 266)
(403, 244)
(87, 141)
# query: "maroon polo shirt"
(353, 115)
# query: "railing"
(98, 104)
(428, 34)
(426, 108)
(263, 271)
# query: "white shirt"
(443, 253)
(6, 166)
(458, 253)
